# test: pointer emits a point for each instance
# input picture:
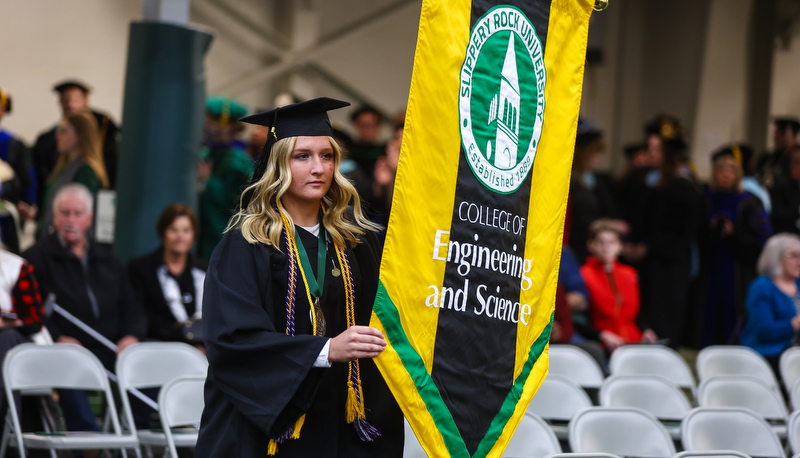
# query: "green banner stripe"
(510, 403)
(390, 319)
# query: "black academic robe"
(260, 380)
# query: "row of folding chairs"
(722, 360)
(177, 369)
(559, 399)
(609, 432)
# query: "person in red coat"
(613, 289)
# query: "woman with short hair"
(169, 280)
(773, 299)
(613, 289)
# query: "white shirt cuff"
(322, 359)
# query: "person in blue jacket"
(773, 299)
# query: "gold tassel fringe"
(272, 448)
(298, 425)
(351, 408)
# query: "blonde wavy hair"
(260, 221)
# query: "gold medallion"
(336, 272)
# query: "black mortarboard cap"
(302, 119)
(586, 133)
(788, 123)
(307, 119)
(631, 149)
(72, 83)
(742, 153)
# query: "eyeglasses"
(792, 254)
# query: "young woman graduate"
(287, 298)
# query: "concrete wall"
(45, 41)
(720, 116)
(785, 98)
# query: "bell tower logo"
(501, 99)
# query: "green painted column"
(162, 123)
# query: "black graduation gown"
(260, 380)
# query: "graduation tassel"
(272, 448)
(351, 407)
(354, 409)
(298, 425)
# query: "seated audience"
(562, 330)
(169, 281)
(21, 314)
(89, 282)
(772, 299)
(613, 289)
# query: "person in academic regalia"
(774, 166)
(367, 147)
(590, 193)
(16, 188)
(734, 229)
(664, 237)
(73, 96)
(287, 299)
(225, 168)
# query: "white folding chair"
(730, 428)
(533, 438)
(734, 360)
(653, 360)
(711, 454)
(151, 365)
(747, 392)
(790, 366)
(582, 455)
(793, 431)
(180, 404)
(576, 364)
(624, 432)
(652, 393)
(794, 395)
(557, 401)
(411, 446)
(45, 367)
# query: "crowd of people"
(650, 256)
(159, 295)
(656, 256)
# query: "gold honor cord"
(355, 410)
(296, 255)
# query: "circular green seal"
(501, 98)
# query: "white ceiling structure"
(358, 50)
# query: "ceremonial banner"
(470, 265)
